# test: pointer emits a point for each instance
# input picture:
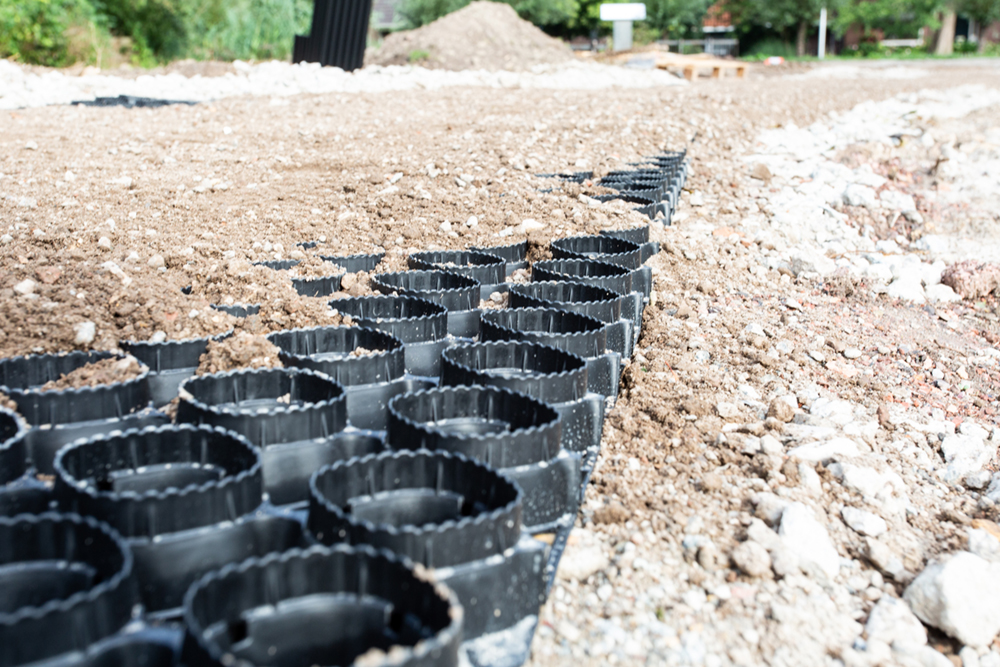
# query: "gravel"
(280, 80)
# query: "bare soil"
(387, 171)
(241, 350)
(105, 371)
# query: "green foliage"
(772, 46)
(777, 15)
(896, 18)
(247, 29)
(155, 26)
(545, 12)
(418, 55)
(416, 13)
(676, 18)
(983, 12)
(49, 32)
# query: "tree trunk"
(980, 37)
(800, 39)
(946, 35)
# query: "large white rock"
(580, 563)
(812, 262)
(825, 451)
(807, 538)
(835, 410)
(884, 489)
(960, 596)
(965, 453)
(892, 621)
(984, 545)
(941, 292)
(897, 201)
(863, 522)
(907, 289)
(860, 195)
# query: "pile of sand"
(483, 35)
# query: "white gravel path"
(19, 88)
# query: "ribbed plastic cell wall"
(338, 36)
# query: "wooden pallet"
(690, 65)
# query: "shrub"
(50, 32)
(771, 46)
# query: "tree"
(780, 15)
(899, 18)
(676, 18)
(945, 45)
(983, 12)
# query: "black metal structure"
(338, 35)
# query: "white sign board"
(631, 11)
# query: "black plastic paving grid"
(238, 492)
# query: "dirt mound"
(483, 35)
(242, 350)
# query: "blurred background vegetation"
(107, 33)
(148, 32)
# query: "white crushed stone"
(19, 88)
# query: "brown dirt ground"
(327, 165)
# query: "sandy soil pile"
(483, 35)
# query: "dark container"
(339, 34)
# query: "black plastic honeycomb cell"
(355, 263)
(321, 606)
(446, 512)
(145, 648)
(420, 324)
(169, 362)
(60, 416)
(597, 302)
(489, 270)
(603, 248)
(240, 310)
(20, 491)
(160, 479)
(369, 364)
(130, 102)
(574, 332)
(459, 294)
(639, 235)
(13, 457)
(548, 374)
(296, 416)
(66, 582)
(515, 254)
(506, 430)
(629, 283)
(186, 498)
